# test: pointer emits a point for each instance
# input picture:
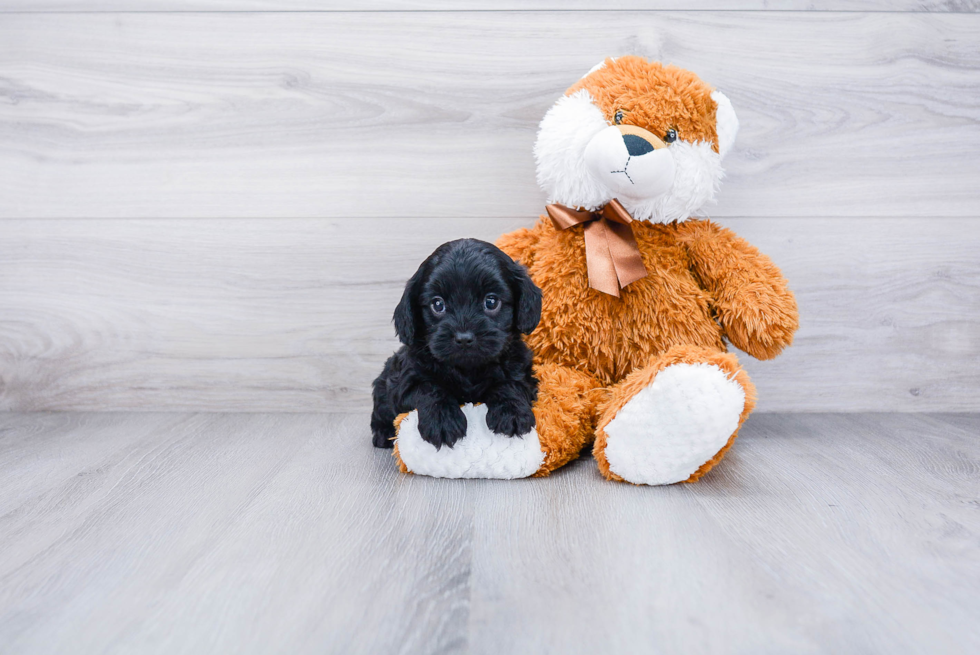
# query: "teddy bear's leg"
(565, 413)
(674, 419)
(564, 420)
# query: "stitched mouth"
(625, 166)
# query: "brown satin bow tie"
(611, 253)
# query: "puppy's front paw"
(512, 419)
(382, 440)
(442, 424)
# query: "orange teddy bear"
(639, 298)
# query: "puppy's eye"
(438, 305)
(670, 136)
(618, 117)
(491, 302)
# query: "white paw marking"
(480, 454)
(669, 429)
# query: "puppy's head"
(466, 302)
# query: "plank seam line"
(813, 12)
(490, 217)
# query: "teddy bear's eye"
(670, 136)
(619, 116)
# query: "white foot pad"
(480, 454)
(668, 430)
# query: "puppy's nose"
(637, 145)
(465, 338)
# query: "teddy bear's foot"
(673, 421)
(480, 454)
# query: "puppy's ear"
(406, 313)
(527, 297)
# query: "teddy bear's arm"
(520, 245)
(753, 302)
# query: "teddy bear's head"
(650, 135)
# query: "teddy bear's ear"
(726, 122)
(600, 65)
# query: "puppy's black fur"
(461, 318)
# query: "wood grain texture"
(434, 114)
(775, 516)
(153, 569)
(36, 6)
(177, 533)
(294, 314)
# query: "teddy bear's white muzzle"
(630, 165)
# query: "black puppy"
(461, 318)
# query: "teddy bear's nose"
(637, 145)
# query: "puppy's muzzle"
(630, 161)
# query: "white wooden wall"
(214, 204)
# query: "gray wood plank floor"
(177, 533)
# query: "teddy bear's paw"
(674, 425)
(480, 454)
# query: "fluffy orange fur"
(655, 97)
(704, 284)
(398, 458)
